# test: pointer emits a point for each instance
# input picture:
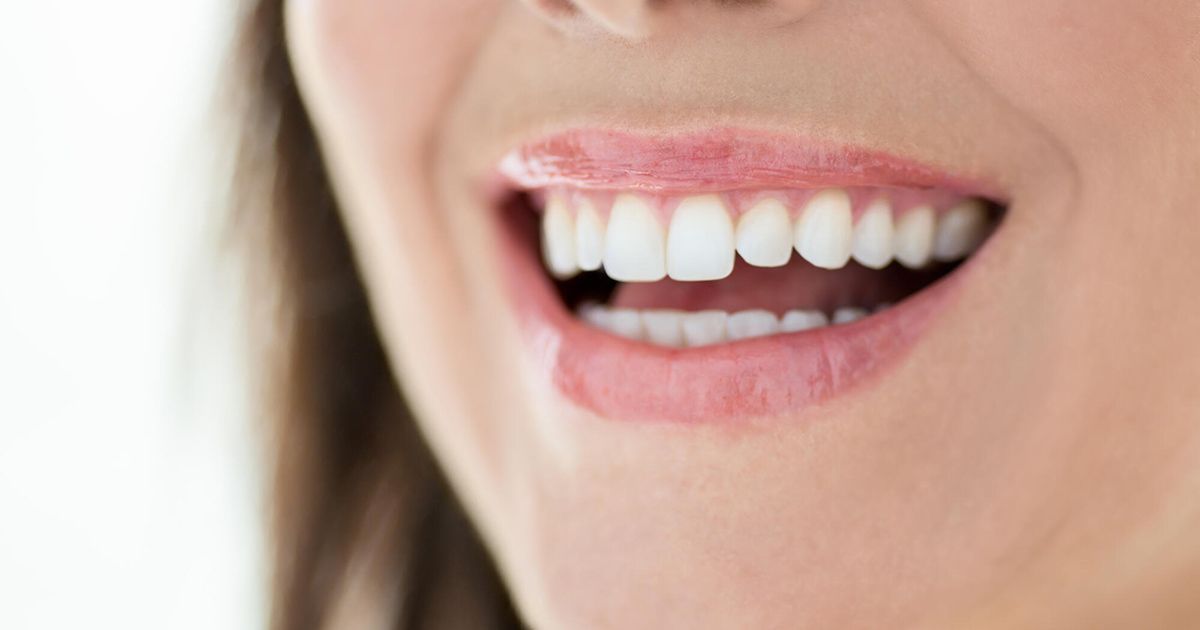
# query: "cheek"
(1117, 84)
(382, 71)
(376, 78)
(373, 108)
(1085, 69)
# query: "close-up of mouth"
(727, 274)
(601, 314)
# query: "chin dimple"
(634, 237)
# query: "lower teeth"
(684, 329)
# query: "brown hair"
(364, 530)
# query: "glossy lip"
(716, 160)
(728, 383)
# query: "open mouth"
(735, 261)
(695, 270)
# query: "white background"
(129, 493)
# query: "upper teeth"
(764, 234)
(635, 248)
(558, 238)
(700, 242)
(701, 236)
(960, 230)
(589, 237)
(874, 235)
(825, 230)
(913, 239)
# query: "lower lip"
(730, 383)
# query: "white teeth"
(914, 237)
(764, 234)
(960, 231)
(796, 321)
(873, 235)
(663, 328)
(558, 238)
(634, 245)
(704, 328)
(589, 237)
(700, 241)
(755, 323)
(595, 315)
(825, 231)
(626, 322)
(679, 329)
(848, 314)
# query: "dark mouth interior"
(797, 285)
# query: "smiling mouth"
(727, 274)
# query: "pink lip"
(735, 382)
(721, 159)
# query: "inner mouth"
(689, 270)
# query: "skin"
(1035, 460)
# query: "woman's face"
(1017, 443)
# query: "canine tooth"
(914, 237)
(960, 230)
(634, 244)
(625, 322)
(848, 314)
(764, 234)
(796, 321)
(589, 236)
(700, 240)
(703, 328)
(663, 327)
(558, 238)
(825, 231)
(873, 235)
(753, 323)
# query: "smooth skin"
(1033, 462)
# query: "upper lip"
(716, 160)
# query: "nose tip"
(640, 19)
